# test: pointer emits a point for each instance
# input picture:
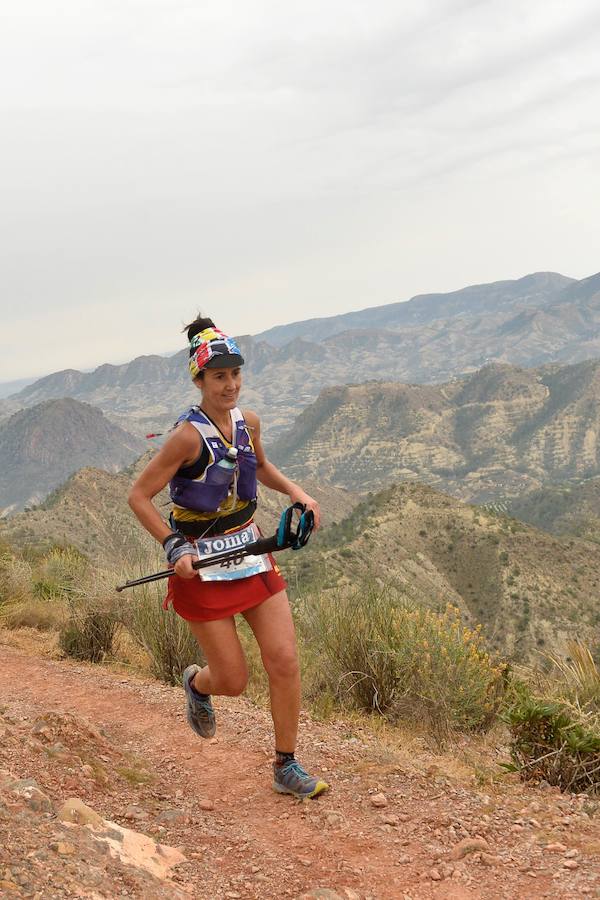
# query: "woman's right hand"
(183, 566)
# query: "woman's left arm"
(271, 477)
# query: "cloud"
(278, 160)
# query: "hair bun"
(198, 325)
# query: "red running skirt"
(204, 601)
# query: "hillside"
(493, 434)
(90, 511)
(561, 508)
(539, 319)
(42, 446)
(530, 590)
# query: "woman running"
(212, 462)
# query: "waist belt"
(219, 525)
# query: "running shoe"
(199, 712)
(291, 778)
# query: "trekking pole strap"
(295, 538)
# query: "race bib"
(240, 565)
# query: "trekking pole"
(284, 538)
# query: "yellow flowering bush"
(375, 651)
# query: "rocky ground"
(106, 793)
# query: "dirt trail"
(148, 771)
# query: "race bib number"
(238, 565)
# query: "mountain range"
(496, 433)
(40, 447)
(486, 437)
(541, 318)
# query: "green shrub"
(163, 634)
(555, 724)
(375, 651)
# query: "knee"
(282, 665)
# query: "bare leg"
(226, 671)
(273, 628)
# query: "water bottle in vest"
(226, 468)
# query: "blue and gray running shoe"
(199, 712)
(291, 778)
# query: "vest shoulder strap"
(201, 423)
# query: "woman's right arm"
(179, 450)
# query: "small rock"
(468, 845)
(87, 770)
(435, 875)
(63, 848)
(134, 813)
(489, 859)
(206, 805)
(571, 854)
(446, 870)
(173, 817)
(404, 859)
(349, 894)
(379, 801)
(42, 730)
(30, 791)
(555, 848)
(570, 864)
(304, 861)
(76, 812)
(390, 819)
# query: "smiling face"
(220, 389)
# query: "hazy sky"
(272, 161)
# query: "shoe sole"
(320, 788)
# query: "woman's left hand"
(300, 496)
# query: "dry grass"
(164, 637)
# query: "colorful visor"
(212, 348)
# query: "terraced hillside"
(493, 434)
(561, 508)
(532, 591)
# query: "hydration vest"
(210, 488)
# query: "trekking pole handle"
(285, 537)
(254, 548)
